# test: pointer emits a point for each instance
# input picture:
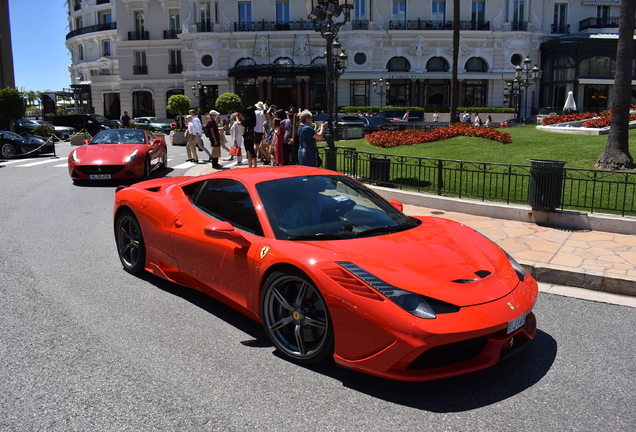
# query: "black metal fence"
(582, 189)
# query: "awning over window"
(276, 70)
(601, 2)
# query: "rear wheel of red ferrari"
(130, 243)
(296, 318)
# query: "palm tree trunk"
(616, 155)
(454, 81)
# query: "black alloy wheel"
(130, 243)
(8, 150)
(296, 318)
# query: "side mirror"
(222, 230)
(86, 141)
(397, 204)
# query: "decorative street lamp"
(199, 91)
(381, 89)
(326, 16)
(532, 75)
(340, 63)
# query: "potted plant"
(180, 104)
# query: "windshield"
(120, 136)
(10, 134)
(154, 120)
(328, 207)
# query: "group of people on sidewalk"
(268, 134)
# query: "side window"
(228, 200)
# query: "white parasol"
(570, 105)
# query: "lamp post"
(199, 91)
(531, 76)
(340, 63)
(322, 13)
(381, 89)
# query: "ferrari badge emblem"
(264, 251)
(511, 306)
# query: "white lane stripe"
(13, 161)
(61, 165)
(39, 163)
(184, 165)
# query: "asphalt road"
(84, 346)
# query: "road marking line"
(13, 161)
(38, 163)
(61, 165)
(184, 165)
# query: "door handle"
(177, 223)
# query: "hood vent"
(481, 273)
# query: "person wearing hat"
(212, 132)
(259, 127)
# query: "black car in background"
(374, 124)
(92, 123)
(25, 126)
(12, 145)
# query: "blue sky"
(38, 34)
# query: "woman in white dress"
(236, 135)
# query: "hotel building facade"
(132, 55)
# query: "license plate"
(516, 323)
(99, 176)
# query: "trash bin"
(379, 169)
(546, 184)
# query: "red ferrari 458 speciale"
(332, 270)
(118, 154)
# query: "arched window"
(437, 64)
(283, 61)
(245, 62)
(398, 64)
(476, 64)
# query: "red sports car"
(118, 154)
(331, 269)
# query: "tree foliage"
(12, 105)
(228, 102)
(616, 155)
(178, 103)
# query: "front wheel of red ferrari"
(130, 243)
(296, 318)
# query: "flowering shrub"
(388, 139)
(597, 121)
(566, 118)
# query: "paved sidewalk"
(594, 260)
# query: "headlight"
(74, 157)
(521, 272)
(132, 157)
(412, 303)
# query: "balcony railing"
(564, 29)
(175, 68)
(171, 34)
(138, 35)
(594, 22)
(247, 26)
(140, 70)
(204, 27)
(101, 72)
(437, 25)
(360, 25)
(519, 25)
(92, 29)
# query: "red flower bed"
(566, 118)
(387, 139)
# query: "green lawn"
(581, 151)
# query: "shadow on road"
(463, 393)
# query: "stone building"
(133, 54)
